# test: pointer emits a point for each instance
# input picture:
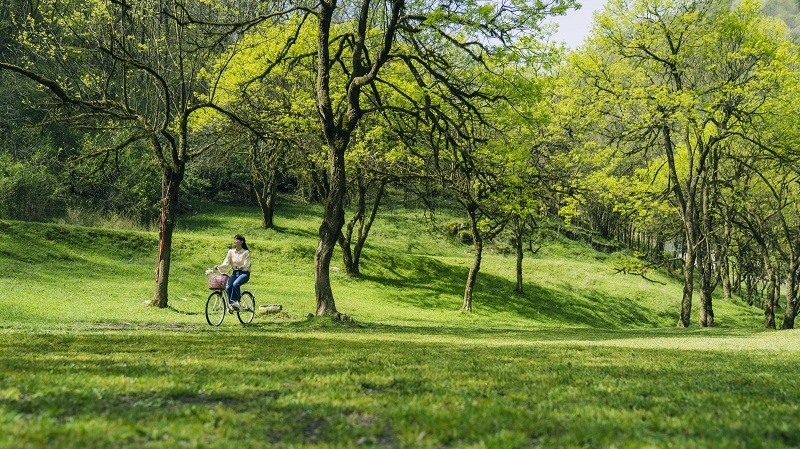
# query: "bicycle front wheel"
(215, 308)
(247, 308)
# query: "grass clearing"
(584, 358)
(389, 386)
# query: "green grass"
(585, 358)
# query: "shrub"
(27, 191)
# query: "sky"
(574, 27)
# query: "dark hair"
(241, 239)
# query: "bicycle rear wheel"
(215, 308)
(247, 308)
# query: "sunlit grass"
(584, 358)
(389, 386)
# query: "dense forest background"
(670, 134)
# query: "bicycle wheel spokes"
(247, 308)
(215, 308)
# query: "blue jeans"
(235, 282)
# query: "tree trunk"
(706, 249)
(346, 237)
(707, 287)
(366, 225)
(724, 260)
(689, 258)
(688, 216)
(518, 246)
(351, 254)
(476, 261)
(329, 232)
(350, 267)
(688, 284)
(769, 298)
(706, 291)
(170, 185)
(265, 195)
(725, 277)
(338, 128)
(749, 289)
(791, 295)
(769, 303)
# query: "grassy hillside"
(586, 358)
(413, 275)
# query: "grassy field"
(585, 358)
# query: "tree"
(134, 67)
(369, 32)
(677, 80)
(371, 163)
(757, 217)
(267, 82)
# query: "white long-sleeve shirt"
(239, 260)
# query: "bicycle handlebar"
(211, 270)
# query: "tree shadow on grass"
(422, 282)
(566, 305)
(430, 284)
(183, 312)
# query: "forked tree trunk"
(346, 237)
(337, 128)
(363, 231)
(351, 254)
(170, 185)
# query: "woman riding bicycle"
(239, 258)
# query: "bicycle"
(217, 303)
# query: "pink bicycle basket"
(217, 281)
